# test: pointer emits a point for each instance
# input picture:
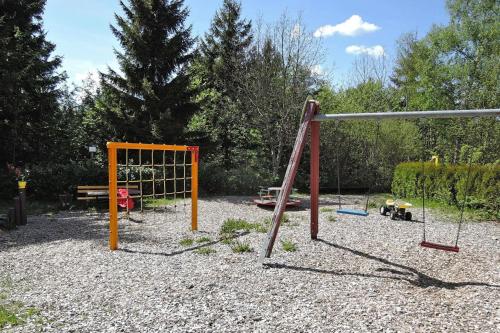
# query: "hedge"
(47, 181)
(447, 184)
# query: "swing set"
(310, 122)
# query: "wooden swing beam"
(311, 121)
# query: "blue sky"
(81, 31)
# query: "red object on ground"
(123, 199)
(439, 246)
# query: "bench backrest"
(85, 188)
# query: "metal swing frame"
(310, 122)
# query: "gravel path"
(364, 274)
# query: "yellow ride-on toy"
(396, 209)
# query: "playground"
(361, 274)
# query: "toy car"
(396, 210)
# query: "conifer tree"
(28, 84)
(220, 69)
(148, 100)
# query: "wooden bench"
(96, 192)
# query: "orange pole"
(194, 188)
(113, 204)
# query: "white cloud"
(353, 26)
(317, 70)
(374, 51)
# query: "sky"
(347, 29)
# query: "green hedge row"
(47, 181)
(447, 184)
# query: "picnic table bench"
(96, 192)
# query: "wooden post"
(11, 219)
(194, 188)
(310, 109)
(22, 206)
(314, 178)
(17, 208)
(113, 202)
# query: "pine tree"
(149, 100)
(224, 49)
(220, 69)
(29, 84)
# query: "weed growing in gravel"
(14, 313)
(158, 203)
(186, 242)
(205, 250)
(240, 247)
(326, 210)
(226, 239)
(288, 246)
(203, 239)
(284, 220)
(258, 227)
(230, 226)
(372, 204)
(331, 218)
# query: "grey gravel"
(363, 275)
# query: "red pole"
(314, 178)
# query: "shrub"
(47, 181)
(243, 180)
(447, 184)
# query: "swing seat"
(358, 212)
(439, 246)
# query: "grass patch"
(203, 239)
(288, 246)
(284, 220)
(159, 203)
(186, 242)
(331, 218)
(259, 227)
(227, 239)
(8, 317)
(205, 250)
(240, 247)
(326, 210)
(231, 226)
(452, 212)
(14, 314)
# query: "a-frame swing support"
(311, 123)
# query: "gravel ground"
(363, 274)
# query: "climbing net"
(152, 176)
